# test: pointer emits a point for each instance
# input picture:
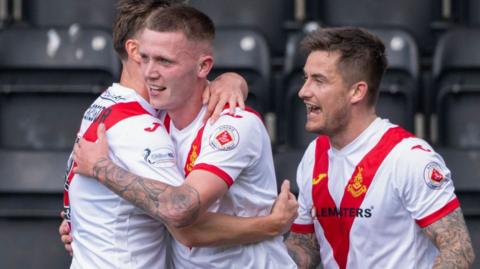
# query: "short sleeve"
(304, 223)
(424, 182)
(141, 145)
(230, 145)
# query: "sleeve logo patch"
(434, 176)
(162, 157)
(224, 138)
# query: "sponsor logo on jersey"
(161, 157)
(353, 212)
(420, 148)
(92, 112)
(357, 188)
(224, 138)
(152, 128)
(107, 95)
(319, 178)
(434, 176)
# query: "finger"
(240, 103)
(285, 189)
(66, 239)
(68, 248)
(218, 111)
(206, 95)
(101, 133)
(210, 107)
(232, 103)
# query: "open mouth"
(312, 108)
(155, 88)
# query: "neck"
(356, 125)
(185, 114)
(130, 78)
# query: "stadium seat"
(267, 16)
(47, 79)
(413, 16)
(398, 90)
(31, 188)
(456, 92)
(246, 52)
(63, 13)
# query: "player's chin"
(313, 127)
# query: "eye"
(144, 58)
(164, 61)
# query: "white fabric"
(245, 155)
(109, 232)
(398, 196)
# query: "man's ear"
(205, 64)
(359, 92)
(131, 47)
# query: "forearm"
(304, 250)
(174, 206)
(214, 229)
(450, 236)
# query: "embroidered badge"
(357, 188)
(434, 176)
(224, 138)
(319, 178)
(191, 159)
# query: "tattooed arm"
(175, 206)
(450, 236)
(215, 229)
(304, 249)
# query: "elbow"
(183, 207)
(188, 240)
(182, 218)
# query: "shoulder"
(416, 159)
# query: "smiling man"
(371, 194)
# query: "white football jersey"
(382, 220)
(237, 149)
(108, 231)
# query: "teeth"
(156, 88)
(311, 108)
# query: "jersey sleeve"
(304, 223)
(232, 143)
(424, 183)
(141, 145)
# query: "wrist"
(272, 225)
(100, 168)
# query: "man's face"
(325, 94)
(169, 67)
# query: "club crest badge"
(224, 138)
(434, 176)
(357, 188)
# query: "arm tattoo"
(450, 236)
(304, 249)
(175, 206)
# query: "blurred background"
(56, 57)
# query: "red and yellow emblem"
(191, 159)
(357, 188)
(319, 178)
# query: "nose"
(149, 70)
(304, 92)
